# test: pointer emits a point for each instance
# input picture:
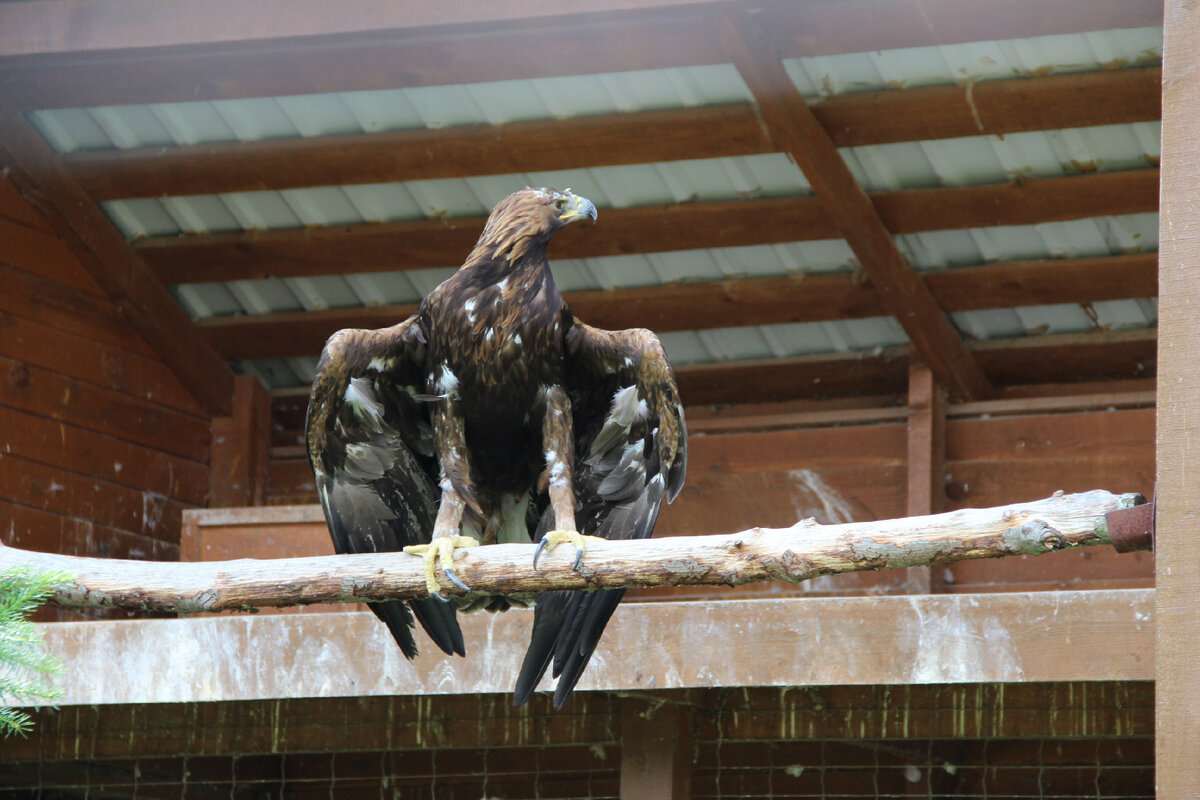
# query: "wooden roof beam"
(1049, 102)
(901, 291)
(734, 303)
(421, 244)
(280, 47)
(1022, 361)
(457, 152)
(861, 118)
(83, 227)
(79, 25)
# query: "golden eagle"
(493, 415)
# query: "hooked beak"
(578, 208)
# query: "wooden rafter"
(901, 291)
(457, 152)
(146, 303)
(383, 59)
(647, 229)
(197, 55)
(860, 118)
(77, 25)
(1026, 360)
(734, 303)
(992, 107)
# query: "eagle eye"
(560, 202)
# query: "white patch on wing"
(517, 339)
(361, 398)
(381, 364)
(502, 284)
(622, 396)
(628, 405)
(490, 333)
(470, 308)
(448, 381)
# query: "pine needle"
(24, 661)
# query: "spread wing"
(631, 452)
(371, 448)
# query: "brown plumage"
(492, 413)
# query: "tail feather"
(441, 623)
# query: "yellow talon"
(442, 547)
(555, 538)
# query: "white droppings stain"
(55, 486)
(813, 497)
(955, 648)
(117, 467)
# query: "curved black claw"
(536, 553)
(578, 558)
(454, 579)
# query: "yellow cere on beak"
(577, 208)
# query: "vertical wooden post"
(1177, 615)
(926, 459)
(241, 448)
(656, 752)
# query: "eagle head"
(532, 216)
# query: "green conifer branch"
(24, 662)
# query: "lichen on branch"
(797, 553)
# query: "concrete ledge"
(982, 638)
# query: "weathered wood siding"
(101, 447)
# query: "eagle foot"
(554, 538)
(442, 547)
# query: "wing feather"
(369, 444)
(631, 443)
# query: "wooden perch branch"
(803, 551)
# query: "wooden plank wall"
(101, 447)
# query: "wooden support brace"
(1177, 658)
(901, 290)
(926, 458)
(656, 751)
(239, 465)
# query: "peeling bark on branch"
(803, 551)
